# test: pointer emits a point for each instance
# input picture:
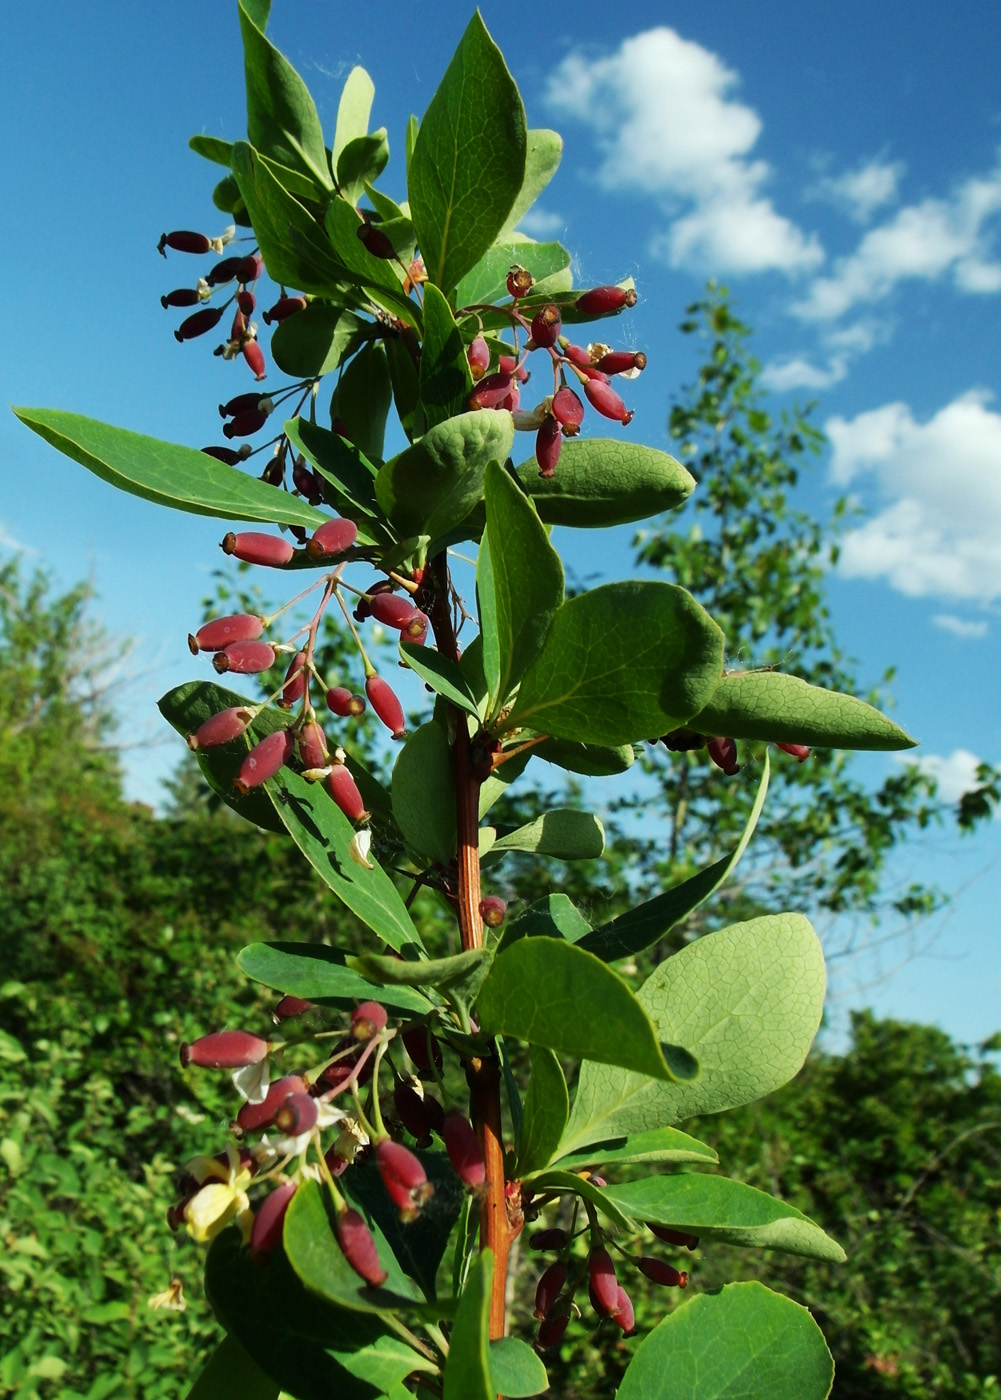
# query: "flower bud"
(368, 1019)
(519, 281)
(254, 356)
(568, 410)
(491, 391)
(343, 703)
(422, 1047)
(264, 761)
(200, 323)
(376, 242)
(385, 704)
(603, 397)
(546, 326)
(282, 309)
(554, 1238)
(723, 753)
(266, 1231)
(249, 268)
(622, 361)
(344, 790)
(262, 1115)
(184, 241)
(183, 296)
(658, 1272)
(411, 1111)
(225, 1050)
(297, 1114)
(603, 1283)
(254, 547)
(599, 301)
(404, 1178)
(250, 421)
(464, 1151)
(549, 1287)
(548, 445)
(392, 610)
(290, 1006)
(492, 910)
(331, 539)
(224, 271)
(244, 658)
(478, 356)
(295, 687)
(358, 1247)
(222, 728)
(797, 751)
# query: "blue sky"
(838, 166)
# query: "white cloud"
(960, 626)
(667, 126)
(779, 376)
(922, 241)
(955, 775)
(940, 534)
(9, 541)
(860, 192)
(540, 223)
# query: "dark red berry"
(229, 455)
(225, 1050)
(264, 761)
(492, 910)
(290, 1006)
(344, 791)
(251, 420)
(343, 703)
(383, 700)
(549, 1239)
(256, 548)
(678, 1237)
(546, 326)
(222, 728)
(603, 397)
(548, 445)
(422, 1047)
(243, 403)
(376, 242)
(246, 301)
(464, 1151)
(404, 1178)
(519, 281)
(184, 296)
(723, 753)
(411, 1111)
(491, 391)
(549, 1287)
(282, 309)
(568, 410)
(266, 1231)
(224, 271)
(551, 1329)
(184, 241)
(239, 327)
(358, 1247)
(249, 268)
(261, 1115)
(599, 301)
(658, 1272)
(621, 361)
(331, 539)
(244, 658)
(199, 324)
(392, 610)
(305, 481)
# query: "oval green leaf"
(561, 834)
(515, 1370)
(660, 1145)
(771, 706)
(423, 793)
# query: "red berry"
(225, 1050)
(368, 1020)
(262, 1115)
(266, 1231)
(376, 242)
(254, 356)
(621, 361)
(224, 271)
(492, 910)
(678, 1237)
(290, 1006)
(256, 548)
(358, 1247)
(604, 1285)
(416, 629)
(658, 1272)
(404, 1178)
(549, 1287)
(238, 329)
(244, 658)
(491, 391)
(297, 1114)
(568, 410)
(577, 355)
(599, 301)
(411, 1111)
(184, 241)
(797, 751)
(222, 728)
(478, 355)
(723, 753)
(333, 538)
(313, 746)
(548, 445)
(344, 791)
(246, 301)
(228, 454)
(184, 296)
(554, 1238)
(295, 685)
(464, 1151)
(264, 761)
(392, 610)
(243, 403)
(603, 397)
(385, 704)
(546, 326)
(422, 1047)
(624, 1316)
(282, 309)
(249, 268)
(200, 323)
(251, 420)
(519, 281)
(344, 703)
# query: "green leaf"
(622, 662)
(593, 760)
(555, 1179)
(362, 400)
(445, 379)
(433, 972)
(363, 159)
(515, 1370)
(542, 158)
(323, 834)
(381, 278)
(431, 487)
(442, 675)
(738, 1344)
(644, 925)
(212, 148)
(768, 705)
(553, 916)
(418, 1245)
(406, 391)
(230, 1374)
(424, 793)
(165, 472)
(319, 974)
(601, 482)
(315, 340)
(468, 164)
(282, 121)
(345, 469)
(745, 1000)
(522, 589)
(467, 1373)
(487, 281)
(562, 834)
(551, 993)
(659, 1145)
(353, 111)
(717, 1208)
(295, 249)
(546, 1109)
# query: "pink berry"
(549, 1287)
(491, 391)
(546, 326)
(492, 910)
(222, 728)
(568, 410)
(392, 610)
(343, 703)
(184, 241)
(264, 761)
(261, 1115)
(797, 751)
(282, 309)
(383, 700)
(368, 1019)
(478, 355)
(599, 301)
(297, 1114)
(290, 1006)
(244, 658)
(464, 1151)
(313, 745)
(358, 1247)
(295, 685)
(266, 1231)
(183, 296)
(621, 361)
(199, 323)
(254, 547)
(658, 1272)
(404, 1178)
(603, 397)
(604, 1285)
(225, 1050)
(344, 790)
(548, 445)
(254, 356)
(723, 753)
(624, 1315)
(577, 355)
(333, 538)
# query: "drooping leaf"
(442, 675)
(545, 1112)
(746, 1000)
(282, 121)
(295, 249)
(424, 793)
(515, 1370)
(543, 151)
(562, 834)
(353, 111)
(432, 486)
(521, 589)
(468, 163)
(744, 1341)
(316, 340)
(467, 1373)
(551, 993)
(166, 472)
(487, 281)
(319, 974)
(769, 705)
(445, 378)
(659, 1145)
(624, 661)
(363, 398)
(645, 924)
(231, 1374)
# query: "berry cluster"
(554, 1294)
(293, 1113)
